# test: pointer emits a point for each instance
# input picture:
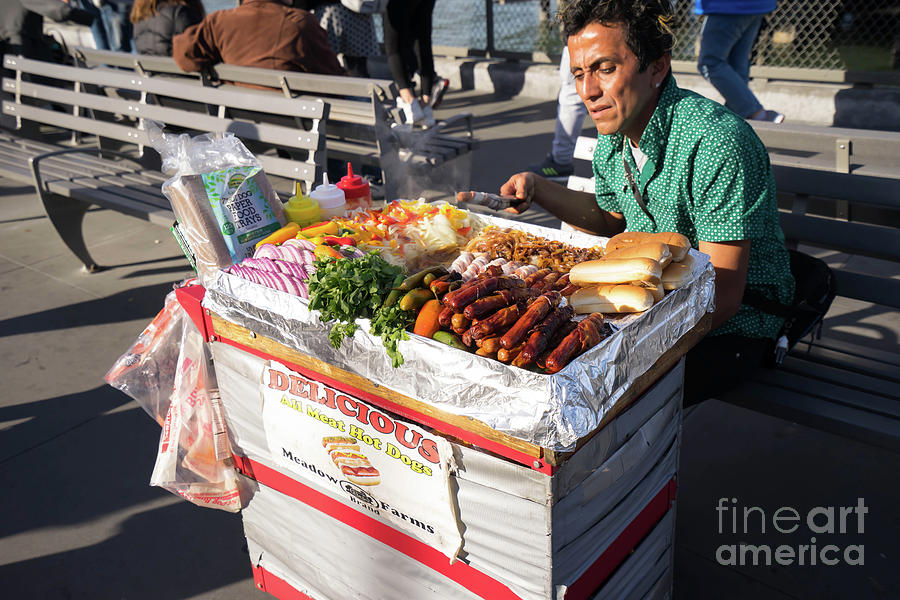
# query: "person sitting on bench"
(268, 34)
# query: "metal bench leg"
(67, 216)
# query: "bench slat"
(314, 83)
(819, 412)
(146, 195)
(879, 191)
(797, 363)
(836, 393)
(112, 198)
(67, 166)
(868, 288)
(873, 354)
(856, 364)
(858, 238)
(274, 134)
(131, 81)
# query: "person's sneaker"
(438, 90)
(412, 112)
(769, 115)
(550, 168)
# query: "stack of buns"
(636, 270)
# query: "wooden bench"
(81, 139)
(363, 124)
(843, 382)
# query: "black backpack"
(815, 288)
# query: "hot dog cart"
(475, 479)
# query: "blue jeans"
(111, 29)
(725, 45)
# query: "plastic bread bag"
(146, 372)
(194, 457)
(220, 195)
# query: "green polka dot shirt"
(707, 177)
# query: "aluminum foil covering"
(552, 411)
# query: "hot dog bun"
(611, 299)
(615, 270)
(657, 290)
(625, 239)
(658, 251)
(364, 479)
(677, 243)
(677, 274)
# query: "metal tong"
(491, 201)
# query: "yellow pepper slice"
(281, 235)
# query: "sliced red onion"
(304, 289)
(262, 263)
(297, 255)
(292, 269)
(302, 244)
(267, 251)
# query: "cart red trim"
(629, 539)
(460, 572)
(275, 585)
(463, 574)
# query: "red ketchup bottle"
(356, 190)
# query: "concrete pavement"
(79, 520)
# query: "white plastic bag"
(146, 372)
(194, 459)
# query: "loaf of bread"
(677, 243)
(611, 299)
(658, 251)
(615, 270)
(677, 274)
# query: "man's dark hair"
(647, 23)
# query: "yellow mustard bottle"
(301, 209)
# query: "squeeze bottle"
(330, 198)
(301, 209)
(356, 190)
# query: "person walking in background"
(407, 43)
(156, 22)
(114, 16)
(351, 34)
(268, 34)
(726, 40)
(570, 114)
(22, 25)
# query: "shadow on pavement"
(140, 302)
(178, 551)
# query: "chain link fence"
(854, 35)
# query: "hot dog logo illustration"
(347, 456)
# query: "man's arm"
(578, 209)
(730, 260)
(194, 49)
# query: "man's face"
(618, 96)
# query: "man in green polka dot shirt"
(697, 168)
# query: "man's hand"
(521, 187)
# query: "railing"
(839, 41)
